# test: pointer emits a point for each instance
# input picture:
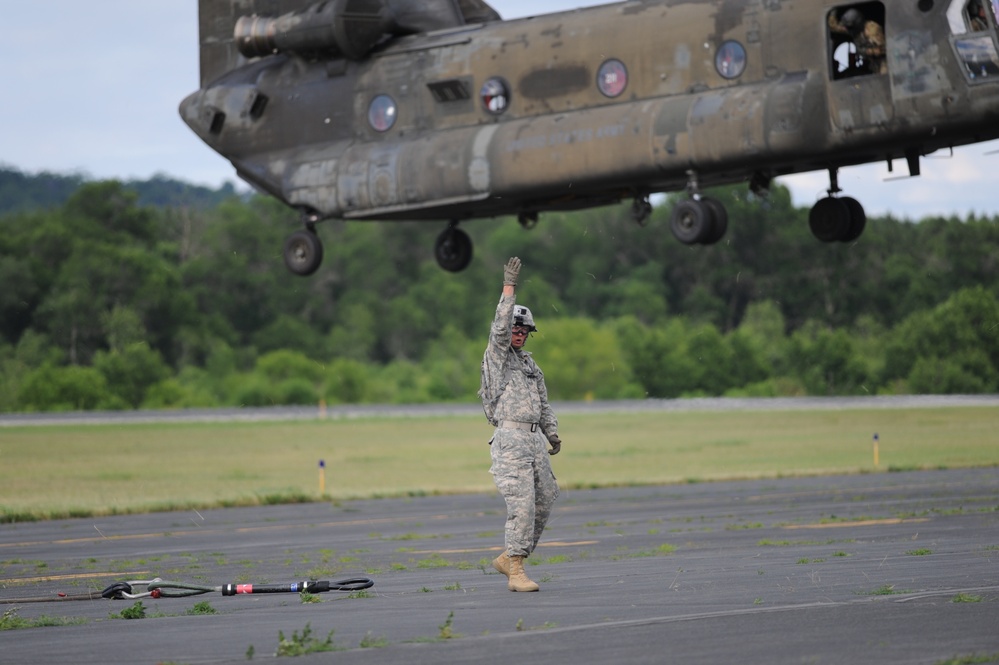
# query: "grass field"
(60, 471)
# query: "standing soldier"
(515, 400)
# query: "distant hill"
(20, 191)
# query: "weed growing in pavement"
(300, 645)
(320, 572)
(447, 629)
(363, 593)
(204, 607)
(11, 621)
(767, 542)
(663, 550)
(369, 642)
(136, 611)
(971, 659)
(922, 551)
(966, 598)
(436, 561)
(551, 560)
(883, 590)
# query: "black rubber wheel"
(690, 221)
(719, 219)
(303, 252)
(829, 219)
(858, 219)
(453, 250)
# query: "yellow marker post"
(322, 477)
(875, 449)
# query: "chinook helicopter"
(440, 110)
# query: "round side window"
(730, 61)
(382, 113)
(495, 95)
(612, 78)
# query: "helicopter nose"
(205, 119)
(189, 112)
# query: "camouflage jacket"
(513, 386)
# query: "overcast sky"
(93, 87)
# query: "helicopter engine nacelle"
(350, 28)
(343, 27)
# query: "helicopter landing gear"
(453, 249)
(528, 219)
(700, 219)
(303, 251)
(833, 218)
(641, 209)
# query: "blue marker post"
(322, 477)
(875, 450)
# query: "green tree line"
(109, 303)
(21, 191)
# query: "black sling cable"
(157, 588)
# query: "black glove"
(510, 272)
(556, 444)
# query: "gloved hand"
(510, 272)
(556, 444)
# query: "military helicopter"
(440, 110)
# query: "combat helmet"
(852, 20)
(523, 317)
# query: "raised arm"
(499, 334)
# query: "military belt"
(514, 424)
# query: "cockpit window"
(972, 22)
(974, 15)
(965, 16)
(978, 53)
(857, 39)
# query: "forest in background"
(158, 294)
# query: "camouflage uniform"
(871, 45)
(514, 397)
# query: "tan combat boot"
(502, 564)
(519, 581)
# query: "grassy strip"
(64, 471)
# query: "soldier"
(867, 36)
(515, 400)
(976, 16)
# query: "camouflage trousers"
(523, 475)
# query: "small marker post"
(875, 450)
(322, 477)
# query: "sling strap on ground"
(159, 588)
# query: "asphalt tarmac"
(879, 568)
